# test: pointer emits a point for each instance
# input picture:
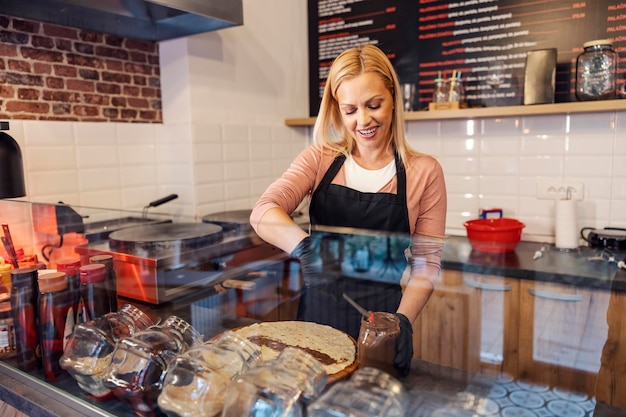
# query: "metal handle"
(572, 298)
(163, 200)
(487, 286)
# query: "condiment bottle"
(71, 268)
(88, 351)
(596, 70)
(94, 294)
(370, 392)
(281, 387)
(377, 342)
(55, 320)
(7, 332)
(138, 363)
(5, 274)
(111, 278)
(196, 382)
(24, 293)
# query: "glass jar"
(71, 269)
(56, 321)
(377, 342)
(596, 70)
(139, 362)
(280, 387)
(196, 382)
(7, 333)
(89, 349)
(440, 95)
(370, 392)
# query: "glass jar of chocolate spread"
(377, 342)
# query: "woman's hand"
(404, 346)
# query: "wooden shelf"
(504, 111)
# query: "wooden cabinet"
(562, 333)
(463, 323)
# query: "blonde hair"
(329, 130)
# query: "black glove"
(404, 347)
(306, 255)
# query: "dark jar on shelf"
(139, 362)
(110, 277)
(596, 71)
(88, 351)
(94, 295)
(55, 321)
(24, 294)
(71, 268)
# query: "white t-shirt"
(366, 180)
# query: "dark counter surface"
(434, 390)
(585, 266)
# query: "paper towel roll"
(566, 225)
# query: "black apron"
(339, 206)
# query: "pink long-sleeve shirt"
(426, 201)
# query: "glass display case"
(501, 334)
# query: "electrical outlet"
(554, 190)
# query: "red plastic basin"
(494, 235)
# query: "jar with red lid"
(71, 268)
(377, 342)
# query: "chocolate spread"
(377, 342)
(279, 346)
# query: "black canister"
(94, 294)
(55, 321)
(24, 294)
(110, 277)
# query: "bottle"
(280, 387)
(440, 95)
(71, 269)
(376, 346)
(55, 321)
(111, 278)
(7, 332)
(204, 374)
(24, 293)
(94, 295)
(88, 351)
(138, 362)
(596, 69)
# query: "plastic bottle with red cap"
(55, 320)
(71, 268)
(94, 294)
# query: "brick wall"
(50, 72)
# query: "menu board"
(427, 39)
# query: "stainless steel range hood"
(151, 20)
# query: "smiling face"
(366, 107)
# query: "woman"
(360, 173)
